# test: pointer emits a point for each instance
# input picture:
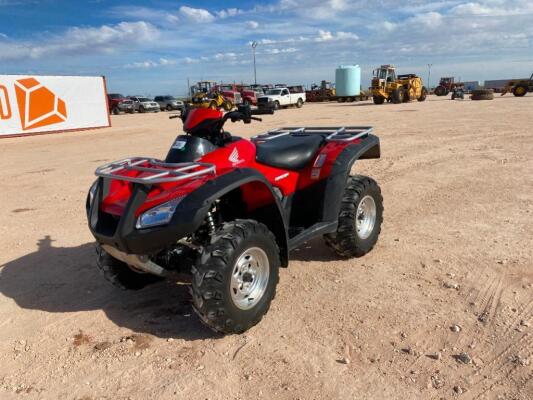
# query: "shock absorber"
(210, 223)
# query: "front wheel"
(276, 105)
(141, 109)
(360, 218)
(116, 111)
(378, 99)
(423, 94)
(235, 278)
(398, 95)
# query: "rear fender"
(369, 148)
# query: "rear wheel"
(520, 91)
(213, 105)
(299, 103)
(246, 102)
(141, 109)
(440, 91)
(120, 275)
(398, 95)
(360, 218)
(116, 111)
(235, 278)
(379, 99)
(169, 107)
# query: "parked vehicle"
(224, 212)
(230, 92)
(519, 87)
(281, 97)
(169, 103)
(249, 94)
(447, 85)
(117, 103)
(458, 92)
(404, 88)
(144, 104)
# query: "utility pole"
(254, 45)
(429, 76)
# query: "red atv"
(224, 212)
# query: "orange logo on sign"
(38, 106)
(5, 107)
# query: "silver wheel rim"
(249, 278)
(365, 218)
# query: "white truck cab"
(281, 97)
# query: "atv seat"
(293, 152)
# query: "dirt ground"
(456, 248)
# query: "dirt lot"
(456, 249)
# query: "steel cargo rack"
(151, 171)
(334, 134)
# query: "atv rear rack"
(335, 134)
(153, 171)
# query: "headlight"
(92, 191)
(159, 215)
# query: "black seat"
(292, 152)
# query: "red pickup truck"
(118, 103)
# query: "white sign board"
(35, 104)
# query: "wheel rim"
(520, 90)
(365, 217)
(249, 278)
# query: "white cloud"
(151, 64)
(252, 24)
(229, 12)
(327, 36)
(280, 51)
(144, 13)
(197, 15)
(83, 41)
(431, 19)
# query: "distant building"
(472, 85)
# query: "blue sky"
(152, 47)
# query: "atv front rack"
(334, 134)
(152, 171)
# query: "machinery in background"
(447, 85)
(519, 87)
(386, 86)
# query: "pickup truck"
(118, 103)
(281, 97)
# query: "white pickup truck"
(282, 97)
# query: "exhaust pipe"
(140, 263)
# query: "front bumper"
(120, 232)
(125, 107)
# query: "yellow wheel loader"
(204, 95)
(519, 87)
(386, 86)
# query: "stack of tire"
(482, 94)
